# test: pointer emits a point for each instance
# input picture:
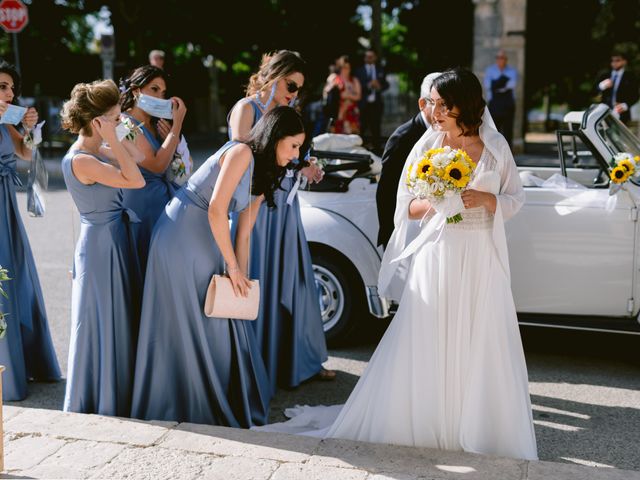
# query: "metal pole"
(16, 53)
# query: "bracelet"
(232, 270)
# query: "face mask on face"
(156, 107)
(13, 115)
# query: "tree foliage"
(568, 41)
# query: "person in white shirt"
(618, 87)
(373, 80)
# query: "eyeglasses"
(440, 106)
(292, 87)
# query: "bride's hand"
(475, 198)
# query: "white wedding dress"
(450, 371)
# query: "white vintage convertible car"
(574, 248)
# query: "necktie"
(614, 88)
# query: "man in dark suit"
(373, 81)
(619, 87)
(394, 157)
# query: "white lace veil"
(408, 235)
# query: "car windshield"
(617, 137)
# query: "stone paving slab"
(377, 458)
(86, 427)
(77, 459)
(294, 471)
(240, 443)
(53, 444)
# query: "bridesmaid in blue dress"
(289, 326)
(26, 351)
(158, 144)
(191, 368)
(107, 281)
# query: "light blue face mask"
(13, 115)
(156, 107)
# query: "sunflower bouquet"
(623, 167)
(441, 173)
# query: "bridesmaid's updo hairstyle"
(460, 88)
(263, 139)
(140, 77)
(9, 69)
(274, 67)
(88, 101)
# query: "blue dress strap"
(257, 113)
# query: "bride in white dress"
(450, 371)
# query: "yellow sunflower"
(466, 158)
(424, 168)
(628, 165)
(457, 173)
(619, 174)
(636, 159)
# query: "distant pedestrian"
(156, 58)
(348, 119)
(373, 80)
(619, 87)
(500, 82)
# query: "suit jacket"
(363, 77)
(628, 91)
(394, 157)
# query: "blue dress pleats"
(27, 350)
(106, 296)
(148, 202)
(191, 368)
(289, 326)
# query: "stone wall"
(501, 24)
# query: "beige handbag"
(221, 301)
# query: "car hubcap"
(330, 295)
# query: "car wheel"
(341, 296)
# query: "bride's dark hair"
(263, 139)
(460, 88)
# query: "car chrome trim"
(589, 329)
(330, 296)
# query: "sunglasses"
(292, 87)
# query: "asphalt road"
(585, 387)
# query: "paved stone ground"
(51, 444)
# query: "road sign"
(13, 16)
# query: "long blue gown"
(289, 325)
(26, 350)
(148, 202)
(191, 368)
(105, 308)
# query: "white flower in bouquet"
(441, 173)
